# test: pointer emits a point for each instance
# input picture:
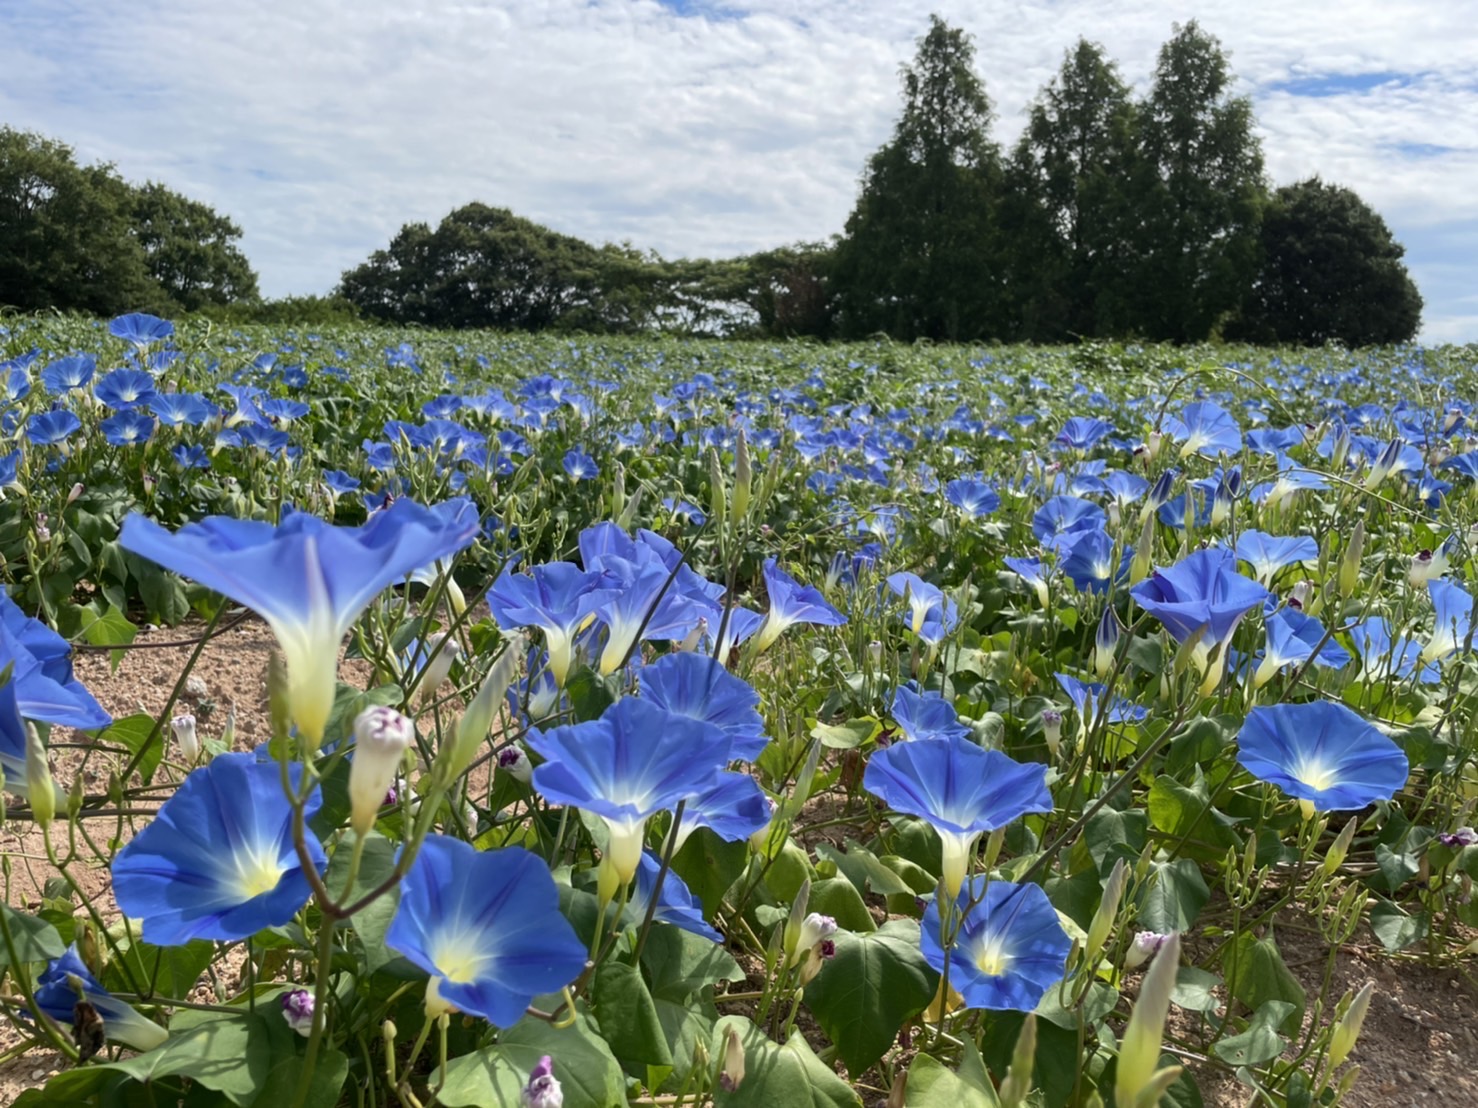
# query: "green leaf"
(1256, 974)
(862, 867)
(838, 898)
(1173, 896)
(627, 1016)
(790, 1076)
(865, 994)
(1194, 990)
(933, 1085)
(586, 1069)
(849, 735)
(679, 963)
(1260, 1043)
(287, 1051)
(34, 939)
(1182, 812)
(589, 694)
(161, 971)
(137, 733)
(109, 629)
(1395, 869)
(709, 867)
(372, 921)
(163, 593)
(1395, 929)
(1112, 835)
(684, 1027)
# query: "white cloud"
(323, 125)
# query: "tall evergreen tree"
(916, 257)
(1070, 212)
(1331, 272)
(1198, 187)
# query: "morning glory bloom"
(580, 466)
(1202, 595)
(486, 926)
(1009, 950)
(676, 904)
(1064, 515)
(1321, 753)
(1292, 638)
(1088, 559)
(68, 980)
(625, 614)
(1087, 698)
(140, 328)
(52, 428)
(1082, 433)
(926, 716)
(41, 672)
(65, 374)
(960, 789)
(974, 498)
(1032, 571)
(1454, 617)
(1267, 554)
(634, 761)
(125, 388)
(13, 738)
(176, 409)
(734, 807)
(308, 579)
(1204, 428)
(217, 861)
(190, 457)
(931, 614)
(127, 428)
(10, 465)
(558, 598)
(694, 685)
(338, 482)
(791, 603)
(1381, 656)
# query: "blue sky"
(693, 127)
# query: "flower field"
(744, 724)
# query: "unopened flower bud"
(1349, 565)
(1105, 642)
(815, 930)
(75, 492)
(183, 727)
(1145, 944)
(1341, 846)
(514, 762)
(1456, 840)
(1052, 730)
(40, 789)
(694, 637)
(477, 721)
(381, 737)
(1347, 1030)
(297, 1010)
(1426, 566)
(543, 1089)
(732, 1074)
(1108, 911)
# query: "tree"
(1197, 189)
(65, 236)
(190, 249)
(1331, 272)
(1066, 203)
(916, 258)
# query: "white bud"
(514, 762)
(183, 727)
(381, 737)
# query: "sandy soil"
(1419, 1046)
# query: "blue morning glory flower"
(217, 861)
(125, 388)
(1453, 607)
(1292, 638)
(1087, 698)
(931, 614)
(580, 466)
(10, 466)
(65, 374)
(41, 672)
(675, 905)
(1033, 572)
(127, 428)
(1204, 428)
(960, 789)
(140, 328)
(338, 482)
(308, 579)
(176, 409)
(486, 926)
(1088, 559)
(558, 598)
(17, 385)
(1381, 656)
(1082, 433)
(634, 761)
(926, 716)
(1267, 554)
(52, 428)
(791, 603)
(190, 457)
(1322, 753)
(1065, 515)
(695, 685)
(974, 498)
(280, 410)
(734, 807)
(1009, 950)
(13, 744)
(1201, 595)
(68, 980)
(1125, 488)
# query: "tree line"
(1112, 217)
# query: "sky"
(692, 127)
